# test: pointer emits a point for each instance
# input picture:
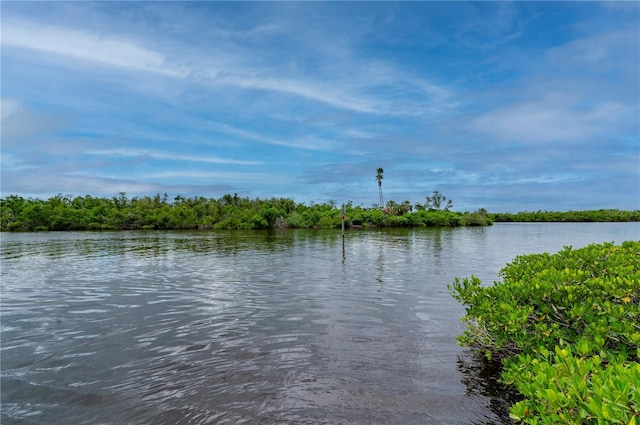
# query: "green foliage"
(63, 212)
(570, 387)
(567, 328)
(477, 218)
(568, 216)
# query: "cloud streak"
(86, 46)
(548, 122)
(153, 154)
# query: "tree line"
(602, 215)
(65, 212)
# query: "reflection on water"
(275, 327)
(481, 377)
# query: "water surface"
(278, 327)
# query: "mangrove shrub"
(566, 328)
(602, 215)
(63, 212)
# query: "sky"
(507, 106)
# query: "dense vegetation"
(566, 328)
(578, 216)
(229, 212)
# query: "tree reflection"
(482, 378)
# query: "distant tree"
(437, 201)
(404, 208)
(390, 207)
(379, 177)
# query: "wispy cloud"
(381, 95)
(19, 121)
(548, 121)
(45, 184)
(595, 52)
(292, 142)
(86, 46)
(567, 106)
(14, 163)
(154, 154)
(548, 179)
(492, 27)
(255, 178)
(358, 93)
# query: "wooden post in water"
(343, 213)
(343, 216)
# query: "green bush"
(561, 387)
(478, 218)
(568, 216)
(567, 328)
(64, 212)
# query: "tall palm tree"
(379, 177)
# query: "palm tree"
(379, 177)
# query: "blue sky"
(498, 105)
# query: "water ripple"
(262, 328)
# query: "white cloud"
(601, 50)
(149, 153)
(86, 46)
(47, 184)
(312, 90)
(256, 178)
(550, 120)
(9, 162)
(573, 92)
(8, 108)
(41, 184)
(546, 179)
(295, 142)
(20, 121)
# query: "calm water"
(253, 327)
